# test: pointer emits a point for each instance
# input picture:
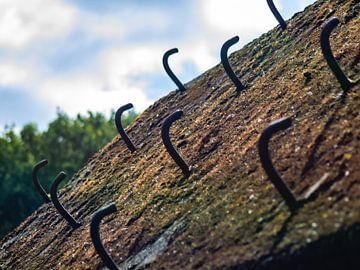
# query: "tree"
(67, 144)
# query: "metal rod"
(171, 74)
(95, 235)
(268, 166)
(120, 129)
(168, 145)
(277, 14)
(59, 207)
(329, 26)
(226, 64)
(36, 181)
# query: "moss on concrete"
(227, 214)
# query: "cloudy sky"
(96, 55)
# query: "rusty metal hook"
(95, 235)
(268, 166)
(277, 14)
(226, 64)
(168, 145)
(120, 129)
(329, 26)
(169, 71)
(36, 181)
(59, 207)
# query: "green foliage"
(67, 144)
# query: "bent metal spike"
(168, 145)
(268, 166)
(344, 81)
(36, 181)
(171, 74)
(59, 207)
(95, 235)
(226, 64)
(277, 14)
(120, 129)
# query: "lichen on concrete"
(231, 215)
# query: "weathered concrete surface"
(227, 215)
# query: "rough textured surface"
(227, 214)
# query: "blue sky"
(82, 55)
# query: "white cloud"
(107, 84)
(117, 73)
(246, 19)
(14, 75)
(81, 93)
(104, 84)
(131, 60)
(25, 22)
(115, 78)
(201, 55)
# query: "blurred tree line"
(67, 144)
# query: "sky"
(92, 55)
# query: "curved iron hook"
(36, 181)
(268, 166)
(95, 235)
(59, 207)
(277, 14)
(329, 26)
(226, 64)
(120, 129)
(169, 71)
(168, 145)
